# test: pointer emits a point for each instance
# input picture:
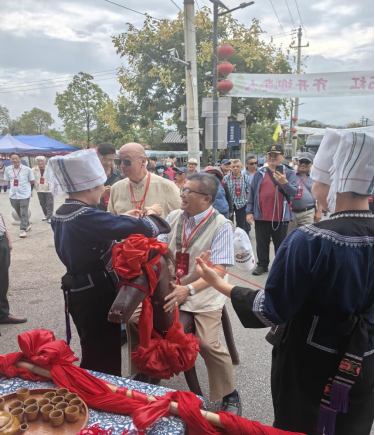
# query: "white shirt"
(24, 175)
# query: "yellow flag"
(277, 132)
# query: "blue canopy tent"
(43, 141)
(9, 144)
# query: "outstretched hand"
(204, 268)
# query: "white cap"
(353, 166)
(345, 161)
(194, 161)
(75, 172)
(324, 158)
(243, 251)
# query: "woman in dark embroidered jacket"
(319, 300)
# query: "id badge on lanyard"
(182, 262)
(15, 182)
(106, 200)
(299, 194)
(41, 181)
(238, 191)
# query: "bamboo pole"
(211, 417)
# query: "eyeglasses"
(251, 164)
(185, 191)
(126, 162)
(304, 162)
(104, 160)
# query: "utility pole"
(192, 123)
(296, 101)
(364, 121)
(215, 98)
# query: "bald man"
(141, 189)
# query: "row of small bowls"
(54, 406)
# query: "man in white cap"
(319, 300)
(84, 237)
(42, 188)
(141, 188)
(192, 166)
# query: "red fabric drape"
(155, 356)
(40, 345)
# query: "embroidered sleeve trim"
(71, 216)
(338, 239)
(155, 229)
(258, 308)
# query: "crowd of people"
(318, 299)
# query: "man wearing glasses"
(196, 226)
(107, 156)
(305, 209)
(141, 190)
(251, 167)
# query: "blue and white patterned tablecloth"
(107, 420)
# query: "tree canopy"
(156, 86)
(80, 105)
(36, 121)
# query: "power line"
(34, 81)
(286, 1)
(280, 35)
(50, 87)
(196, 1)
(278, 18)
(137, 12)
(50, 81)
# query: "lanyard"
(301, 181)
(15, 176)
(186, 241)
(139, 207)
(239, 184)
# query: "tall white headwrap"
(75, 172)
(345, 161)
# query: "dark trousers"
(4, 276)
(22, 209)
(100, 339)
(263, 233)
(46, 202)
(240, 216)
(4, 187)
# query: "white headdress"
(345, 161)
(75, 172)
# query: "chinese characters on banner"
(302, 85)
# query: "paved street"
(35, 293)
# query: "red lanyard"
(301, 181)
(139, 207)
(239, 184)
(194, 230)
(15, 176)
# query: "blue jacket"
(221, 203)
(291, 188)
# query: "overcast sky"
(44, 40)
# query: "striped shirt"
(222, 244)
(243, 182)
(3, 230)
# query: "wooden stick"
(212, 418)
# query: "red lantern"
(225, 51)
(225, 68)
(294, 119)
(225, 86)
(294, 130)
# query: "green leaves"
(80, 105)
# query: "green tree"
(36, 121)
(259, 137)
(80, 105)
(4, 118)
(156, 86)
(56, 134)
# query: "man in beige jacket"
(141, 189)
(195, 227)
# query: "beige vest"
(209, 299)
(40, 187)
